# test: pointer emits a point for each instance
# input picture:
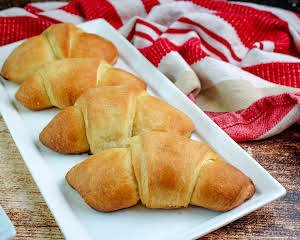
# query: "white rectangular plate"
(7, 230)
(75, 218)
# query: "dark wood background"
(279, 155)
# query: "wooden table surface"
(279, 155)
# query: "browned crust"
(26, 59)
(60, 83)
(115, 76)
(110, 116)
(69, 78)
(105, 181)
(56, 42)
(178, 171)
(167, 167)
(153, 114)
(91, 45)
(32, 94)
(66, 132)
(221, 186)
(60, 37)
(171, 171)
(108, 113)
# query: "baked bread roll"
(107, 117)
(163, 170)
(61, 82)
(56, 42)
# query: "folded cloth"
(239, 62)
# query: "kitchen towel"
(239, 62)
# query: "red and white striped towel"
(239, 62)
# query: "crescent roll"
(111, 115)
(162, 170)
(59, 41)
(61, 82)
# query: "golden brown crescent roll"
(153, 114)
(59, 41)
(27, 58)
(61, 82)
(112, 114)
(66, 132)
(163, 170)
(106, 180)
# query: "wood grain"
(279, 155)
(19, 195)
